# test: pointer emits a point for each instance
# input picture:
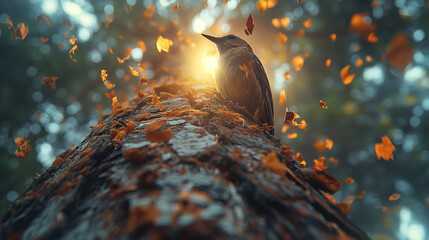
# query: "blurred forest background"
(382, 100)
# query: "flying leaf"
(73, 40)
(384, 149)
(320, 164)
(286, 75)
(281, 38)
(360, 24)
(394, 197)
(345, 75)
(43, 40)
(298, 62)
(349, 180)
(108, 19)
(333, 37)
(263, 5)
(72, 51)
(307, 23)
(323, 104)
(368, 59)
(328, 62)
(141, 45)
(110, 50)
(250, 24)
(50, 80)
(44, 18)
(400, 52)
(176, 6)
(290, 118)
(302, 125)
(334, 160)
(149, 11)
(359, 62)
(106, 82)
(282, 22)
(299, 159)
(23, 146)
(163, 44)
(292, 135)
(133, 71)
(282, 98)
(372, 38)
(329, 143)
(23, 30)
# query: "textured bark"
(211, 180)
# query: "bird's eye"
(231, 37)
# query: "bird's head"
(227, 42)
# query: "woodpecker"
(241, 78)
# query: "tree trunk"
(190, 168)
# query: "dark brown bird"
(241, 78)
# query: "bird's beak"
(211, 38)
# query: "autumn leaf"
(271, 161)
(384, 149)
(263, 5)
(360, 24)
(286, 75)
(298, 62)
(281, 38)
(329, 143)
(307, 23)
(282, 98)
(163, 44)
(323, 104)
(73, 40)
(349, 180)
(292, 135)
(23, 30)
(290, 118)
(108, 19)
(72, 51)
(282, 22)
(368, 59)
(110, 95)
(175, 6)
(320, 164)
(372, 38)
(400, 52)
(43, 40)
(333, 37)
(133, 71)
(302, 125)
(23, 146)
(149, 11)
(43, 18)
(141, 45)
(333, 160)
(394, 197)
(156, 103)
(154, 135)
(250, 24)
(110, 50)
(345, 75)
(106, 82)
(359, 62)
(298, 157)
(328, 62)
(50, 80)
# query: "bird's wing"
(267, 98)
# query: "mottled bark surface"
(192, 170)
